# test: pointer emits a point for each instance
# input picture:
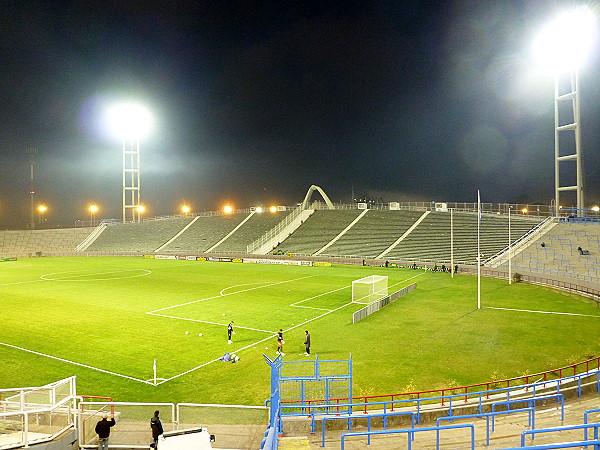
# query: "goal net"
(369, 289)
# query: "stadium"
(169, 286)
(393, 318)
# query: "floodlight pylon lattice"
(567, 130)
(131, 180)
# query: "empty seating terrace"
(431, 239)
(320, 228)
(41, 242)
(205, 232)
(560, 255)
(253, 228)
(146, 236)
(373, 233)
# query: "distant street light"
(41, 211)
(185, 209)
(131, 121)
(563, 45)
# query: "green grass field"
(105, 319)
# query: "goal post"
(369, 289)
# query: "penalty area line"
(221, 295)
(210, 323)
(542, 312)
(73, 362)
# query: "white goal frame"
(369, 289)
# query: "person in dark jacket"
(230, 332)
(103, 431)
(157, 429)
(307, 343)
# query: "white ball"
(223, 314)
(266, 348)
(200, 334)
(187, 332)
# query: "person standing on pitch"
(230, 332)
(280, 342)
(103, 431)
(157, 429)
(307, 343)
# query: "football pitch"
(108, 319)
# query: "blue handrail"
(368, 417)
(411, 431)
(492, 415)
(595, 426)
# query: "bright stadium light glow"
(42, 209)
(595, 208)
(273, 209)
(93, 209)
(228, 209)
(185, 209)
(259, 209)
(567, 41)
(524, 210)
(141, 209)
(563, 45)
(129, 120)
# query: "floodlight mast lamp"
(564, 44)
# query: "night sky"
(255, 101)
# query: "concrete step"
(293, 443)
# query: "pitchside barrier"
(381, 303)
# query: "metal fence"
(381, 303)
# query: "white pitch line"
(311, 307)
(22, 282)
(224, 290)
(148, 272)
(408, 279)
(232, 293)
(73, 362)
(317, 296)
(211, 323)
(543, 312)
(145, 272)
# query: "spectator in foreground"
(157, 429)
(103, 431)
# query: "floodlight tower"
(132, 121)
(563, 44)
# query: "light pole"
(563, 44)
(131, 121)
(32, 152)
